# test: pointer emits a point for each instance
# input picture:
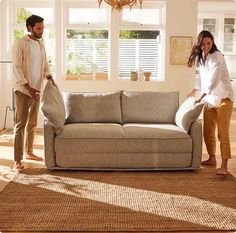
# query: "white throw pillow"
(52, 107)
(187, 113)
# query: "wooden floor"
(7, 172)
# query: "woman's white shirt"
(214, 80)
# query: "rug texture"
(42, 200)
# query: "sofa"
(122, 130)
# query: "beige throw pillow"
(187, 113)
(52, 107)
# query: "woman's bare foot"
(210, 161)
(222, 171)
(18, 166)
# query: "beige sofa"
(123, 130)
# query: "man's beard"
(37, 36)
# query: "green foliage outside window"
(22, 14)
(81, 45)
(93, 34)
(17, 34)
(134, 34)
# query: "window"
(229, 34)
(138, 50)
(21, 12)
(89, 34)
(87, 42)
(139, 40)
(220, 20)
(86, 52)
(209, 24)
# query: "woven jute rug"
(42, 200)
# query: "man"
(30, 67)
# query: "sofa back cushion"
(89, 107)
(149, 107)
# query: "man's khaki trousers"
(25, 126)
(220, 118)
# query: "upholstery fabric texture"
(136, 161)
(90, 107)
(187, 113)
(149, 107)
(125, 130)
(52, 107)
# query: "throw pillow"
(187, 113)
(52, 107)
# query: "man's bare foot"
(18, 166)
(210, 161)
(34, 157)
(222, 171)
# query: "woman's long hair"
(196, 53)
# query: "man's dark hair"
(32, 20)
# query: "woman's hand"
(198, 101)
(200, 98)
(192, 93)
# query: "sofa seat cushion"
(109, 130)
(163, 131)
(95, 137)
(91, 130)
(118, 145)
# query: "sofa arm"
(49, 145)
(196, 134)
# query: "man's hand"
(51, 79)
(34, 93)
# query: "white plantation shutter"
(138, 54)
(91, 54)
(101, 54)
(127, 57)
(149, 56)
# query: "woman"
(217, 94)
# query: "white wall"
(5, 82)
(180, 21)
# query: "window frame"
(152, 27)
(114, 25)
(14, 5)
(82, 27)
